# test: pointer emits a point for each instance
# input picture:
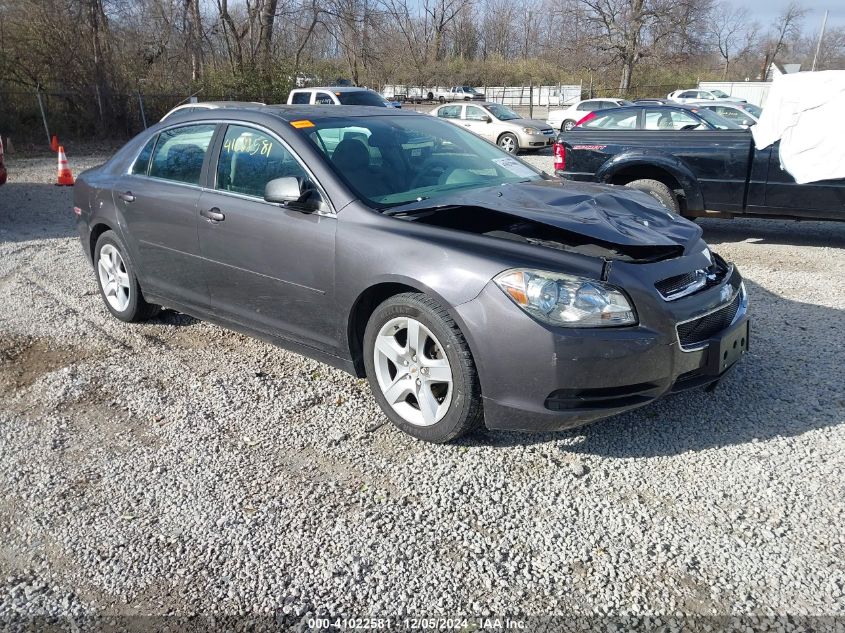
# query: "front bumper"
(541, 378)
(535, 141)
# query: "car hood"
(627, 224)
(541, 125)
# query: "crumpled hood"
(609, 215)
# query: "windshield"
(393, 160)
(717, 121)
(756, 111)
(361, 97)
(502, 113)
(719, 93)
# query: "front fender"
(655, 159)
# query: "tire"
(430, 96)
(567, 125)
(441, 99)
(458, 407)
(509, 143)
(123, 297)
(658, 191)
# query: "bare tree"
(786, 27)
(730, 31)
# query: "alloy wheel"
(508, 144)
(412, 371)
(114, 278)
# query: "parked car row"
(499, 124)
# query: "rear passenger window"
(180, 152)
(139, 168)
(323, 98)
(615, 119)
(301, 97)
(249, 159)
(449, 112)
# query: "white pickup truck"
(458, 93)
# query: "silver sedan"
(499, 124)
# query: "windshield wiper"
(399, 209)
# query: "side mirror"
(488, 119)
(283, 190)
(294, 193)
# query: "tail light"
(589, 117)
(560, 157)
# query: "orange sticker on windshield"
(301, 123)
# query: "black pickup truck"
(697, 172)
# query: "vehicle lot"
(175, 467)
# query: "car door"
(269, 267)
(822, 199)
(716, 157)
(479, 121)
(157, 206)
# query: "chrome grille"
(685, 284)
(681, 285)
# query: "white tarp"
(805, 112)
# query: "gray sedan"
(468, 287)
(499, 124)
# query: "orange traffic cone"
(54, 144)
(65, 178)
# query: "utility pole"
(819, 44)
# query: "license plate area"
(725, 350)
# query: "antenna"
(819, 45)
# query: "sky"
(766, 12)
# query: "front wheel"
(567, 125)
(119, 286)
(509, 143)
(420, 369)
(441, 99)
(657, 190)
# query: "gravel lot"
(178, 468)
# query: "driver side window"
(474, 113)
(249, 159)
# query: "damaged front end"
(592, 220)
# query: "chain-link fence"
(34, 115)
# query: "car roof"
(295, 112)
(728, 104)
(335, 89)
(658, 106)
(220, 104)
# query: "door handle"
(213, 214)
(127, 196)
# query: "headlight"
(530, 130)
(566, 300)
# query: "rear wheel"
(420, 369)
(119, 286)
(567, 125)
(657, 190)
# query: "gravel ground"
(178, 468)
